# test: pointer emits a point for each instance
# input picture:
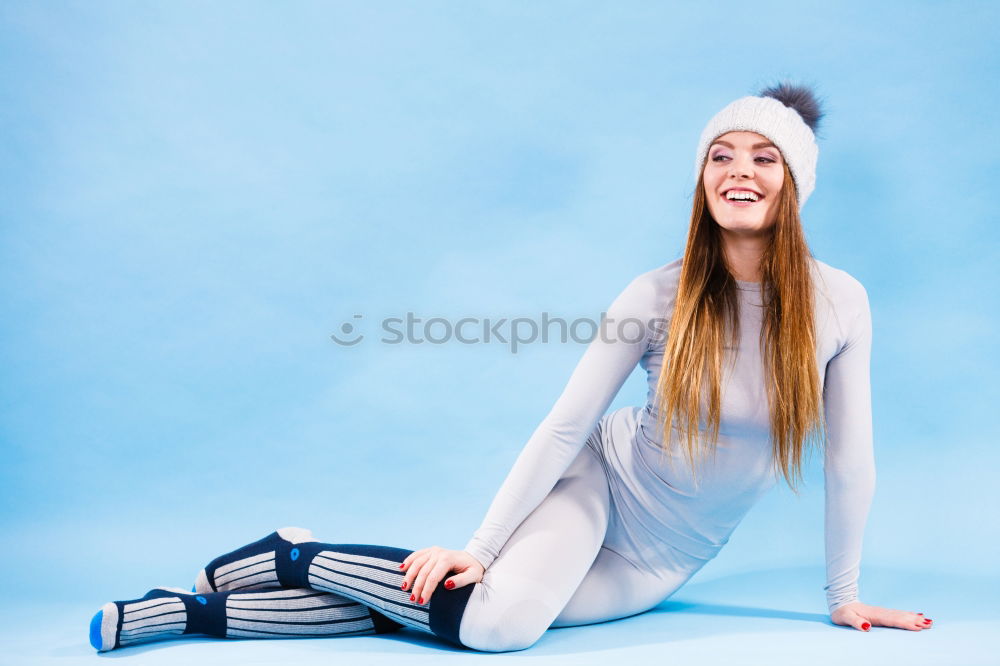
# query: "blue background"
(197, 195)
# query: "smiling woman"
(743, 181)
(605, 515)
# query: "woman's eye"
(726, 157)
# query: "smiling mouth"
(741, 203)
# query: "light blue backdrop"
(197, 195)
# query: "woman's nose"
(740, 167)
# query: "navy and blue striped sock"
(168, 612)
(254, 566)
(369, 574)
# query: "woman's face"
(743, 161)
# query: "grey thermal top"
(676, 514)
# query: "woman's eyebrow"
(766, 144)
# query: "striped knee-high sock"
(369, 574)
(252, 567)
(289, 613)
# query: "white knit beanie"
(787, 115)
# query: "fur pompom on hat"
(788, 115)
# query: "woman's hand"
(864, 617)
(426, 567)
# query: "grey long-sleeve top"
(698, 521)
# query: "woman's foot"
(168, 612)
(257, 566)
(161, 613)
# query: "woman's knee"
(508, 611)
(519, 627)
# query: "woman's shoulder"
(659, 285)
(845, 302)
(648, 298)
(837, 285)
(654, 290)
(667, 275)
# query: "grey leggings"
(554, 571)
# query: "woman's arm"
(849, 462)
(600, 373)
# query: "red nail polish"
(866, 626)
(401, 566)
(421, 600)
(403, 586)
(411, 597)
(450, 584)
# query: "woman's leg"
(533, 577)
(543, 562)
(525, 588)
(367, 574)
(615, 588)
(290, 613)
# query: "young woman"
(752, 348)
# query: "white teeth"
(741, 195)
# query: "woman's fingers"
(420, 583)
(913, 621)
(440, 569)
(900, 619)
(850, 615)
(426, 569)
(416, 562)
(408, 561)
(854, 618)
(864, 617)
(897, 619)
(460, 580)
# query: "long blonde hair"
(707, 308)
